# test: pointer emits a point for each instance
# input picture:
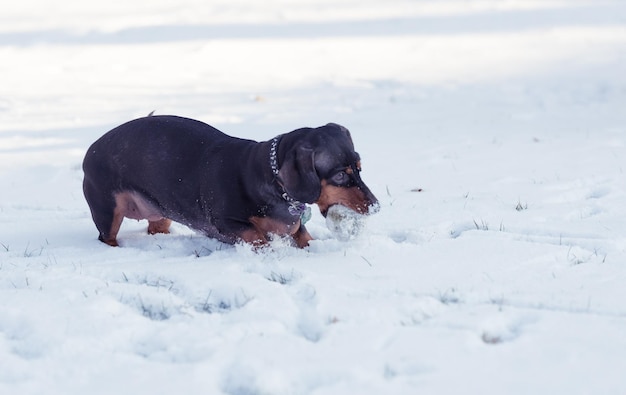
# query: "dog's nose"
(372, 203)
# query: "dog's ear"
(298, 175)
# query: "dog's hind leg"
(159, 226)
(105, 213)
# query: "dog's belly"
(134, 206)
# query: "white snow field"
(493, 132)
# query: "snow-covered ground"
(493, 132)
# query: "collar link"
(274, 155)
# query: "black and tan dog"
(164, 168)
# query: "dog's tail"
(151, 113)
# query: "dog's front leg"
(264, 226)
(254, 236)
(302, 237)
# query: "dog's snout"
(371, 203)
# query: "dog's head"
(320, 165)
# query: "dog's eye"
(340, 178)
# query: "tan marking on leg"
(112, 243)
(133, 205)
(160, 226)
(254, 237)
(118, 217)
(302, 237)
(264, 226)
(267, 225)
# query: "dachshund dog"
(169, 168)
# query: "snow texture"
(345, 224)
(492, 132)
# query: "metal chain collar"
(296, 208)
